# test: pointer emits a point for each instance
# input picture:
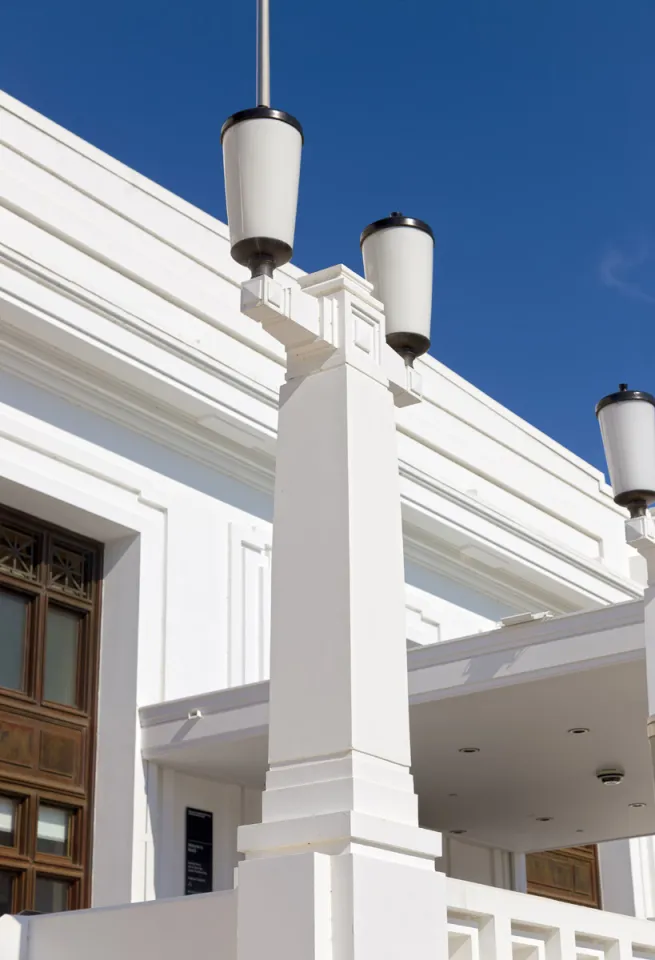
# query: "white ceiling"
(529, 766)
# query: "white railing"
(485, 923)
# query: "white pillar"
(339, 867)
(640, 534)
(642, 858)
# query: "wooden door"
(49, 616)
(570, 875)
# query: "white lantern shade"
(261, 160)
(627, 424)
(398, 255)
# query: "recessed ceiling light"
(578, 731)
(543, 819)
(458, 833)
(637, 805)
(469, 750)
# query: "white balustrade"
(485, 923)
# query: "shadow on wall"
(135, 447)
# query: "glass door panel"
(61, 657)
(7, 881)
(53, 830)
(13, 628)
(51, 895)
(7, 821)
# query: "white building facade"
(138, 415)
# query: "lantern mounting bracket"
(640, 534)
(640, 529)
(328, 319)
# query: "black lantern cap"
(395, 220)
(261, 113)
(624, 394)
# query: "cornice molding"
(134, 410)
(73, 162)
(63, 377)
(249, 387)
(517, 594)
(439, 371)
(52, 182)
(32, 136)
(86, 299)
(533, 538)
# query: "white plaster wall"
(616, 877)
(464, 860)
(642, 859)
(186, 594)
(199, 927)
(231, 806)
(208, 524)
(214, 572)
(166, 523)
(441, 608)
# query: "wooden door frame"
(43, 576)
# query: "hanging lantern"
(261, 159)
(398, 255)
(627, 425)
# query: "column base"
(348, 907)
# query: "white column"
(640, 534)
(339, 867)
(642, 857)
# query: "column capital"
(330, 319)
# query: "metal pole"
(263, 54)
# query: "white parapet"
(483, 923)
(200, 926)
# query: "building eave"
(120, 296)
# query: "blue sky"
(521, 131)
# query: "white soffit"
(514, 693)
(527, 651)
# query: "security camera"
(610, 776)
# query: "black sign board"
(199, 851)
